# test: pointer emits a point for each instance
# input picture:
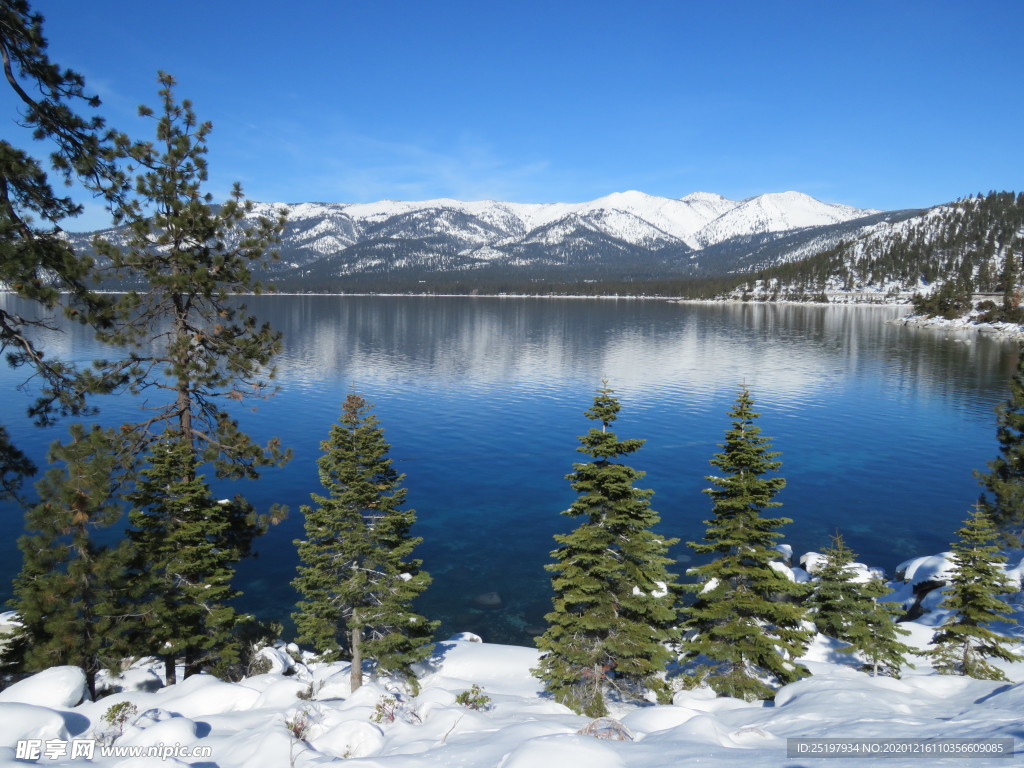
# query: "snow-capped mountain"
(617, 232)
(628, 235)
(697, 220)
(775, 213)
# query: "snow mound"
(660, 718)
(848, 690)
(280, 661)
(280, 693)
(812, 562)
(333, 682)
(563, 751)
(202, 695)
(173, 730)
(496, 668)
(920, 569)
(53, 687)
(349, 738)
(28, 721)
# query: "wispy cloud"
(349, 166)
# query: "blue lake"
(880, 426)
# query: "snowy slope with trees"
(948, 252)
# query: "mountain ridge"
(623, 236)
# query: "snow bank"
(262, 723)
(54, 687)
(202, 695)
(496, 668)
(563, 751)
(28, 721)
(917, 570)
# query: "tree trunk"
(170, 671)
(356, 639)
(192, 665)
(90, 683)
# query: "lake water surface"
(880, 426)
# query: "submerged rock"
(488, 600)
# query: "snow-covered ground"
(304, 714)
(967, 323)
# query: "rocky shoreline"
(1008, 331)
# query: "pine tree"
(71, 594)
(851, 610)
(614, 604)
(1011, 295)
(186, 545)
(36, 263)
(966, 639)
(357, 579)
(743, 620)
(190, 339)
(195, 350)
(1005, 478)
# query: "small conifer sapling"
(964, 644)
(849, 608)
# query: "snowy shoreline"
(1008, 331)
(303, 713)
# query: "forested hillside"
(946, 254)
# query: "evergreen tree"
(850, 610)
(71, 593)
(1011, 295)
(36, 262)
(187, 545)
(357, 578)
(614, 604)
(194, 347)
(195, 350)
(743, 620)
(1005, 478)
(966, 639)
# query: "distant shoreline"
(1007, 331)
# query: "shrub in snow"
(390, 708)
(474, 698)
(606, 729)
(311, 690)
(119, 714)
(298, 724)
(276, 660)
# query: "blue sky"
(873, 104)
